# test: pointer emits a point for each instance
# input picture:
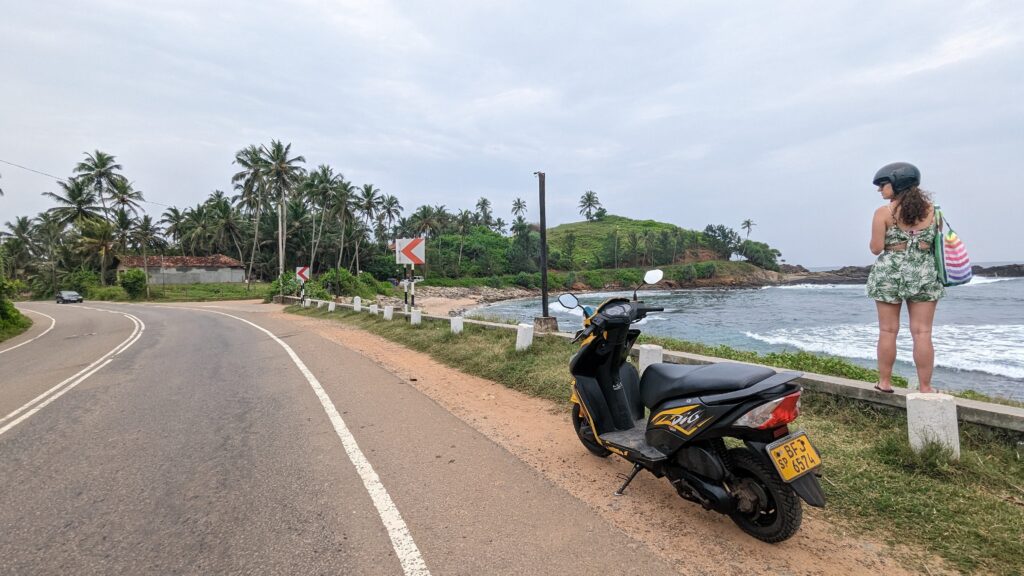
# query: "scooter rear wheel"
(586, 433)
(768, 509)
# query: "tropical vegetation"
(281, 214)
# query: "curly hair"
(913, 206)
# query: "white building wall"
(194, 275)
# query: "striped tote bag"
(951, 260)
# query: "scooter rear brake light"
(772, 414)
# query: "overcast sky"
(686, 112)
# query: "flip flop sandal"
(884, 391)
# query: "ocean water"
(978, 333)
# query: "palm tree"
(390, 210)
(747, 225)
(48, 232)
(281, 173)
(483, 208)
(124, 196)
(499, 226)
(77, 205)
(225, 226)
(146, 235)
(649, 239)
(124, 228)
(589, 204)
(318, 188)
(99, 170)
(463, 221)
(252, 195)
(97, 242)
(342, 196)
(633, 241)
(368, 202)
(196, 228)
(518, 207)
(174, 219)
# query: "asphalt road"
(140, 439)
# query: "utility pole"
(544, 323)
(543, 249)
(280, 245)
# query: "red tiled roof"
(215, 261)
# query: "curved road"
(218, 440)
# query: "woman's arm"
(878, 226)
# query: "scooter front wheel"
(767, 508)
(586, 433)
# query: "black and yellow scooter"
(692, 409)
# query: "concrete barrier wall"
(973, 411)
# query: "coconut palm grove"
(342, 230)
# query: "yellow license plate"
(794, 456)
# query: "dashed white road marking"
(53, 322)
(401, 539)
(41, 401)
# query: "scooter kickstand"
(636, 470)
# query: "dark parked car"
(68, 296)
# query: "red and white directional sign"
(302, 272)
(410, 251)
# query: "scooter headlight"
(772, 414)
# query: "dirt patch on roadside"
(540, 434)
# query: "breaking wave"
(993, 349)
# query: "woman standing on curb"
(902, 234)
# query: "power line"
(59, 179)
(31, 170)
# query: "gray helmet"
(902, 176)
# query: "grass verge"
(13, 327)
(184, 292)
(970, 512)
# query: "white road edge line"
(401, 539)
(53, 322)
(70, 382)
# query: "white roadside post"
(524, 336)
(650, 354)
(357, 304)
(389, 312)
(456, 324)
(416, 317)
(305, 303)
(373, 309)
(331, 306)
(320, 304)
(931, 418)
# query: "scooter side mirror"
(651, 277)
(568, 301)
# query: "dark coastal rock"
(1008, 271)
(844, 275)
(793, 269)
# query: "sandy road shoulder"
(539, 433)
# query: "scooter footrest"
(633, 440)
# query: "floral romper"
(907, 274)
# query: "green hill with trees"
(616, 242)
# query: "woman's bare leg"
(922, 315)
(888, 327)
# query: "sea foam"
(993, 349)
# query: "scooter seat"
(661, 382)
